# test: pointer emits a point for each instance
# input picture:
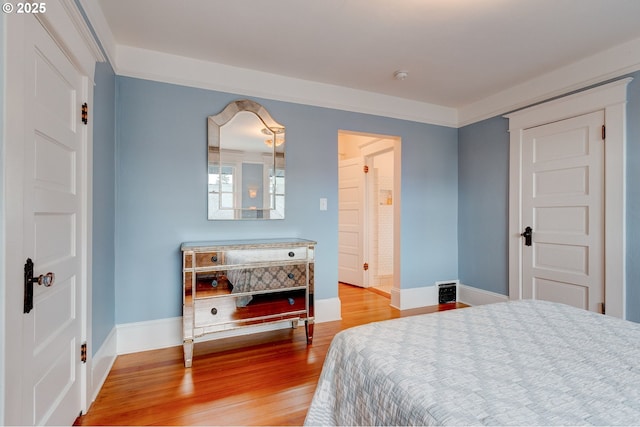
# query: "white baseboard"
(405, 299)
(327, 310)
(162, 333)
(102, 361)
(155, 334)
(474, 296)
(149, 335)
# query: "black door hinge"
(83, 353)
(604, 132)
(85, 113)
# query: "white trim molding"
(158, 66)
(327, 310)
(609, 64)
(103, 361)
(168, 68)
(163, 67)
(611, 98)
(99, 24)
(66, 25)
(405, 299)
(475, 296)
(163, 333)
(149, 335)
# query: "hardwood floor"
(260, 379)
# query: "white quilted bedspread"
(515, 363)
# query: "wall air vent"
(447, 293)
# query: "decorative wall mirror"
(245, 163)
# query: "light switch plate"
(323, 203)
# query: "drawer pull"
(214, 258)
(291, 301)
(292, 254)
(291, 275)
(214, 311)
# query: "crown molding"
(98, 22)
(83, 29)
(152, 65)
(157, 66)
(168, 68)
(583, 102)
(609, 64)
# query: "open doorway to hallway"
(369, 171)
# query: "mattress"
(515, 363)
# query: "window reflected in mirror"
(246, 165)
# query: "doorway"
(608, 98)
(562, 207)
(48, 224)
(368, 210)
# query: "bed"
(514, 363)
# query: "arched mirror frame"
(276, 163)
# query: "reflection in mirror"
(246, 163)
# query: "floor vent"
(447, 293)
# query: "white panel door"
(562, 201)
(53, 212)
(351, 185)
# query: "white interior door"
(562, 201)
(351, 211)
(53, 213)
(380, 218)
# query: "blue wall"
(483, 194)
(104, 182)
(161, 192)
(483, 200)
(633, 199)
(152, 196)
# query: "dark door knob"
(44, 279)
(527, 234)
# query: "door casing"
(65, 23)
(370, 145)
(562, 200)
(369, 151)
(611, 98)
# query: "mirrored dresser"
(234, 284)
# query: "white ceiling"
(456, 52)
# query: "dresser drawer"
(213, 311)
(265, 255)
(224, 311)
(209, 259)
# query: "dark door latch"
(528, 233)
(28, 285)
(44, 279)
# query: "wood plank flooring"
(260, 379)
